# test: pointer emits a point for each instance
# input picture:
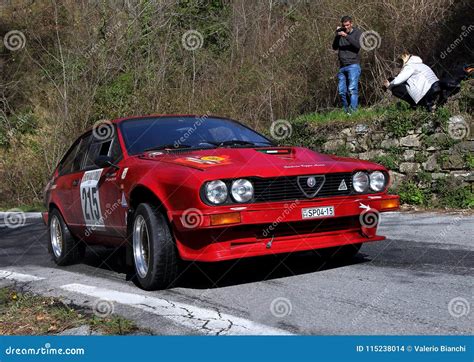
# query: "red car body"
(203, 232)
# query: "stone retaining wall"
(435, 151)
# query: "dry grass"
(28, 314)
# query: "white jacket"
(419, 78)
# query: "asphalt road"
(418, 281)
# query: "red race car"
(185, 187)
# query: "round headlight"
(360, 181)
(216, 192)
(242, 190)
(377, 181)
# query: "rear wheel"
(155, 255)
(63, 246)
(340, 253)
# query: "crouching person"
(416, 84)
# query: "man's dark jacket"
(348, 47)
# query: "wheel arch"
(143, 194)
(54, 206)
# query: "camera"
(341, 29)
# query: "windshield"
(145, 134)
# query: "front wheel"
(63, 246)
(155, 255)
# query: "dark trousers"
(401, 91)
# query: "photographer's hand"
(341, 33)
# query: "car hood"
(260, 162)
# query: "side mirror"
(104, 162)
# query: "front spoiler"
(194, 244)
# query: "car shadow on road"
(198, 275)
(251, 270)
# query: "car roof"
(131, 118)
(119, 120)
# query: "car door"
(75, 178)
(100, 193)
(64, 184)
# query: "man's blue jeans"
(349, 74)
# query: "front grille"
(296, 188)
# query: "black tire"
(72, 250)
(163, 259)
(340, 253)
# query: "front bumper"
(277, 227)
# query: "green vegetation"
(410, 193)
(390, 161)
(28, 314)
(450, 193)
(446, 193)
(469, 159)
(362, 115)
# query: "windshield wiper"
(171, 146)
(231, 143)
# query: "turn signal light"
(224, 219)
(390, 204)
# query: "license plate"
(317, 212)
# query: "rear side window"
(66, 166)
(78, 160)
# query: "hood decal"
(203, 161)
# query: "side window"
(66, 165)
(96, 149)
(81, 153)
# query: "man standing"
(347, 43)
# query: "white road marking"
(26, 216)
(207, 321)
(9, 275)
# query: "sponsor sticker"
(204, 161)
(124, 173)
